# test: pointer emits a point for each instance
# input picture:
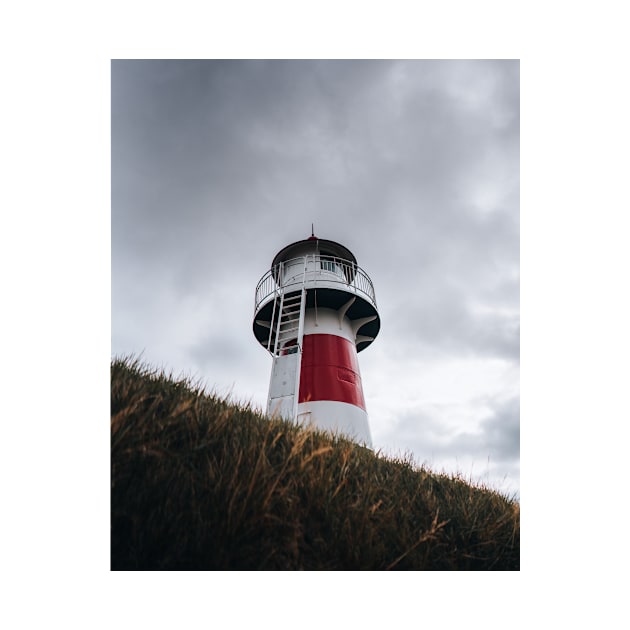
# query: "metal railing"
(310, 270)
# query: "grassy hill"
(198, 483)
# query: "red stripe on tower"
(330, 371)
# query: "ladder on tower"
(285, 344)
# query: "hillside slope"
(200, 484)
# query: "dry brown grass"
(202, 484)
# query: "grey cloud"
(498, 436)
(494, 442)
(443, 323)
(237, 150)
(502, 429)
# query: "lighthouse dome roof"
(314, 245)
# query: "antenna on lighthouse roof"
(312, 230)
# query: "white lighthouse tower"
(315, 309)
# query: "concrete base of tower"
(336, 417)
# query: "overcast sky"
(412, 165)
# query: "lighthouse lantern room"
(315, 310)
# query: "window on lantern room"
(328, 265)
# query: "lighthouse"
(314, 311)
